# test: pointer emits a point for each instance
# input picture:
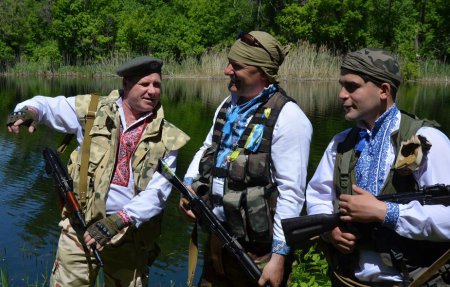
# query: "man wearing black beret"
(120, 192)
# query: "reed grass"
(304, 62)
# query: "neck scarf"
(236, 121)
(374, 146)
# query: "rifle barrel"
(200, 210)
(62, 178)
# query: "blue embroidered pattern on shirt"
(392, 214)
(280, 247)
(236, 122)
(370, 171)
(370, 168)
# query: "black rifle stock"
(210, 221)
(302, 228)
(54, 167)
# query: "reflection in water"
(29, 215)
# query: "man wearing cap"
(388, 152)
(125, 194)
(253, 164)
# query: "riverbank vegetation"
(91, 38)
(304, 62)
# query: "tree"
(337, 24)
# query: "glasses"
(252, 41)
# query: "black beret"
(140, 66)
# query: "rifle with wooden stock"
(302, 228)
(54, 167)
(209, 220)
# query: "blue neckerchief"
(236, 121)
(364, 137)
(370, 168)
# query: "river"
(29, 214)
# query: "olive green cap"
(376, 63)
(140, 66)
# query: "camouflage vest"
(346, 158)
(249, 195)
(157, 140)
(406, 254)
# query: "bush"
(310, 269)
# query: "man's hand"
(361, 207)
(273, 272)
(343, 240)
(102, 231)
(185, 209)
(26, 116)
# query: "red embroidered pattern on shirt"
(128, 142)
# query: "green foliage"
(4, 276)
(334, 23)
(310, 269)
(83, 32)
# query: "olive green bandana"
(268, 59)
(375, 63)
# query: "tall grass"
(304, 62)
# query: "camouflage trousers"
(125, 263)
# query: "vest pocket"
(237, 168)
(258, 168)
(257, 213)
(232, 204)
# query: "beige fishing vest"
(158, 139)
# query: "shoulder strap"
(217, 137)
(85, 150)
(275, 104)
(409, 125)
(345, 163)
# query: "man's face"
(245, 81)
(142, 95)
(362, 101)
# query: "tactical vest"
(250, 195)
(406, 254)
(157, 140)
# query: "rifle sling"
(193, 255)
(65, 143)
(430, 271)
(85, 150)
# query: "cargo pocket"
(258, 169)
(232, 204)
(258, 215)
(236, 171)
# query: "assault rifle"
(54, 166)
(209, 220)
(299, 229)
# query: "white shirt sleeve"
(57, 113)
(151, 201)
(430, 222)
(320, 193)
(290, 153)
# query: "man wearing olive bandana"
(252, 164)
(388, 152)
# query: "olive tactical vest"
(406, 254)
(250, 195)
(157, 140)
